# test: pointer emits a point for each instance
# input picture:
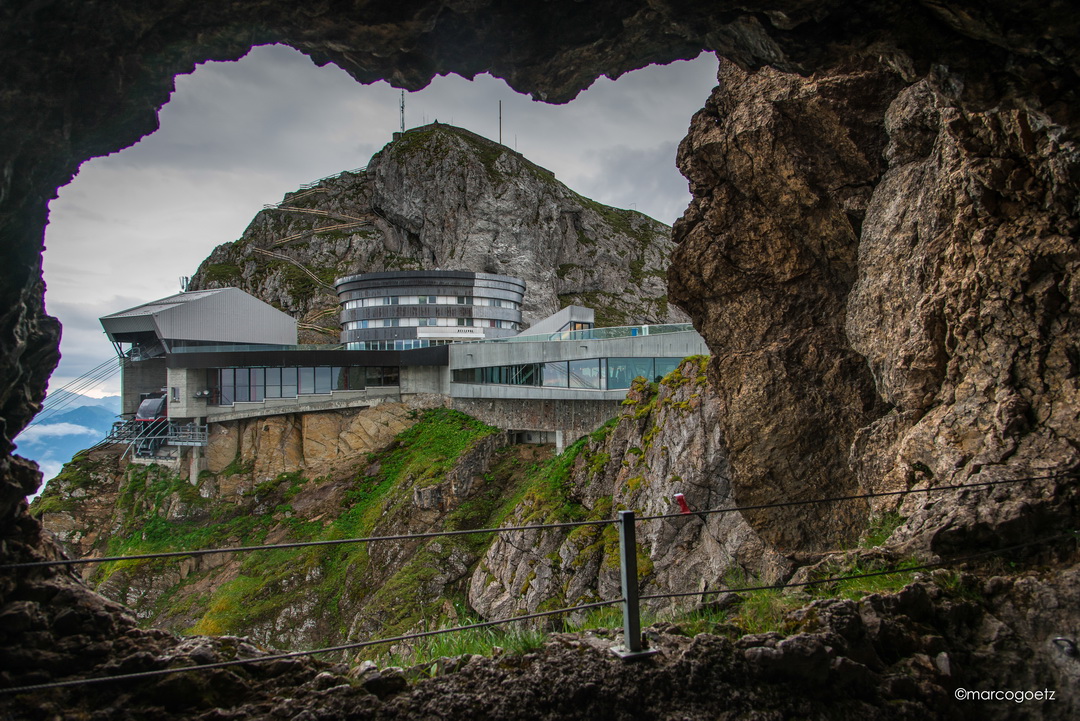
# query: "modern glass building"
(402, 310)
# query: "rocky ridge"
(443, 197)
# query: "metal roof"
(162, 304)
(220, 315)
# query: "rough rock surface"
(101, 505)
(968, 317)
(782, 168)
(666, 441)
(444, 197)
(889, 657)
(317, 443)
(890, 305)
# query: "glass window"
(556, 374)
(228, 389)
(341, 379)
(621, 371)
(323, 379)
(273, 383)
(464, 321)
(665, 366)
(307, 380)
(243, 387)
(356, 378)
(258, 381)
(390, 300)
(288, 382)
(390, 376)
(585, 373)
(526, 375)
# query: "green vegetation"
(80, 473)
(161, 512)
(515, 639)
(227, 274)
(881, 527)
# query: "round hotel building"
(400, 310)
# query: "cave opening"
(237, 135)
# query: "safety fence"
(630, 600)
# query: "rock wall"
(782, 168)
(439, 476)
(886, 282)
(667, 440)
(317, 443)
(966, 311)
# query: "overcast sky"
(237, 135)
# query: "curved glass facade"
(399, 310)
(589, 373)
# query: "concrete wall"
(424, 379)
(665, 345)
(139, 377)
(304, 404)
(572, 418)
(187, 382)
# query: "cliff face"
(666, 441)
(285, 480)
(889, 304)
(443, 197)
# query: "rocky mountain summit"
(439, 196)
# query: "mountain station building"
(453, 337)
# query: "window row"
(429, 323)
(399, 344)
(431, 300)
(253, 385)
(594, 373)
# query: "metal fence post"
(630, 606)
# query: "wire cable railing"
(630, 598)
(299, 544)
(525, 617)
(507, 529)
(69, 393)
(876, 494)
(299, 654)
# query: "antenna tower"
(500, 122)
(403, 111)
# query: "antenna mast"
(403, 111)
(500, 122)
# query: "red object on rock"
(682, 503)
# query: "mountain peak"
(441, 196)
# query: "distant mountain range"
(69, 423)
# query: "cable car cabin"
(153, 422)
(152, 409)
